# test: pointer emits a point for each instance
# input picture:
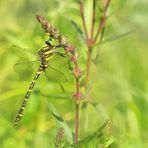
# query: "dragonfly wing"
(24, 54)
(24, 69)
(58, 69)
(26, 60)
(23, 66)
(60, 62)
(55, 75)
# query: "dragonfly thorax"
(45, 55)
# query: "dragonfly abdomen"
(45, 55)
(21, 110)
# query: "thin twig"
(84, 22)
(72, 53)
(103, 21)
(77, 95)
(99, 47)
(93, 18)
(90, 44)
(88, 63)
(77, 123)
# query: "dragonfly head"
(51, 42)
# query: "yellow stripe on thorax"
(20, 115)
(47, 59)
(39, 72)
(48, 52)
(22, 107)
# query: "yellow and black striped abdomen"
(21, 110)
(45, 55)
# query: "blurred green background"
(119, 92)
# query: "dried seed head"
(47, 27)
(70, 48)
(64, 40)
(77, 72)
(59, 137)
(55, 32)
(73, 59)
(40, 18)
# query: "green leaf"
(110, 142)
(64, 91)
(97, 134)
(80, 32)
(62, 88)
(61, 123)
(119, 36)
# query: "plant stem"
(70, 50)
(84, 22)
(89, 41)
(103, 20)
(93, 18)
(77, 123)
(88, 63)
(77, 97)
(89, 45)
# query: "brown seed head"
(70, 48)
(77, 72)
(78, 96)
(47, 27)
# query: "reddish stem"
(77, 97)
(84, 22)
(90, 44)
(88, 63)
(77, 124)
(103, 20)
(88, 41)
(93, 19)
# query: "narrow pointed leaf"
(61, 123)
(80, 32)
(116, 37)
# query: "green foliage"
(61, 123)
(120, 87)
(100, 134)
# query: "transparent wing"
(26, 60)
(25, 69)
(60, 62)
(55, 75)
(24, 54)
(25, 66)
(58, 69)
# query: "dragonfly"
(45, 55)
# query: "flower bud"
(78, 96)
(70, 48)
(64, 40)
(77, 72)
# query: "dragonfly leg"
(61, 54)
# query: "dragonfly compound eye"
(51, 42)
(47, 42)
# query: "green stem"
(88, 64)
